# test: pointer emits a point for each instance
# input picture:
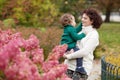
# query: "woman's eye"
(85, 18)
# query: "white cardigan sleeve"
(88, 47)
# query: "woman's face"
(86, 20)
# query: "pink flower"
(46, 66)
(37, 56)
(31, 43)
(57, 52)
(22, 59)
(55, 72)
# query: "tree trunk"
(108, 11)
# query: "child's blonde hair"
(66, 19)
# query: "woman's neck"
(87, 29)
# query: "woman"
(91, 21)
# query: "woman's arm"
(89, 46)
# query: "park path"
(96, 71)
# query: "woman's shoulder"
(93, 33)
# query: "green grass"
(109, 39)
(110, 34)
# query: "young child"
(70, 36)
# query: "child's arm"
(79, 27)
(75, 35)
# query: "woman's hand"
(71, 51)
(68, 52)
(64, 56)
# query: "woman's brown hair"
(94, 16)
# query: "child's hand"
(71, 51)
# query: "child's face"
(73, 23)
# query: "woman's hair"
(66, 19)
(94, 16)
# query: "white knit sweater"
(87, 46)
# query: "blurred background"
(41, 18)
